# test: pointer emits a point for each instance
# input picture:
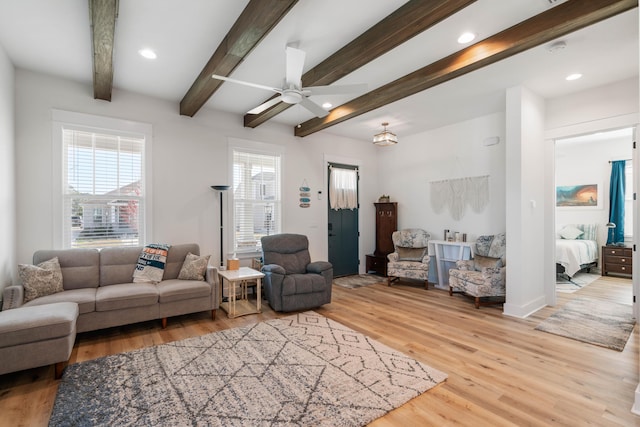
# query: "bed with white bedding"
(576, 248)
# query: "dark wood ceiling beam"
(411, 19)
(253, 24)
(103, 15)
(542, 28)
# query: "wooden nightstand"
(616, 260)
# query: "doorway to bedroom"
(586, 227)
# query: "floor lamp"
(221, 189)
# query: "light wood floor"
(501, 371)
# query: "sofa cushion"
(117, 264)
(179, 290)
(194, 267)
(38, 323)
(480, 262)
(80, 267)
(411, 254)
(150, 265)
(85, 298)
(125, 295)
(40, 280)
(176, 257)
(408, 265)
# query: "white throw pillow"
(570, 233)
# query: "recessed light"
(327, 105)
(147, 53)
(575, 76)
(466, 37)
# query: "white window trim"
(60, 120)
(259, 148)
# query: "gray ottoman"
(37, 336)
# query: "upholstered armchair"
(410, 259)
(482, 277)
(292, 282)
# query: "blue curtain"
(616, 201)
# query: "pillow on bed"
(570, 233)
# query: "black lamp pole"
(221, 188)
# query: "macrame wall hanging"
(456, 194)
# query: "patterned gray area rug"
(600, 322)
(301, 370)
(577, 282)
(358, 280)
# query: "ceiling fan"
(293, 92)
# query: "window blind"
(103, 189)
(257, 207)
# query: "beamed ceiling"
(396, 47)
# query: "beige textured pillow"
(411, 254)
(40, 280)
(480, 262)
(194, 267)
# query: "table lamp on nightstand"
(610, 239)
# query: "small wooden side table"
(235, 307)
(377, 264)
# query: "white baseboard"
(525, 310)
(636, 404)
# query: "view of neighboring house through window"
(256, 198)
(103, 188)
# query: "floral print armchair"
(482, 277)
(410, 259)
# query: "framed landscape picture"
(585, 195)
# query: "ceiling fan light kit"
(293, 92)
(385, 137)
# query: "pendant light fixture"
(385, 137)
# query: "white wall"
(188, 155)
(525, 173)
(574, 112)
(7, 171)
(450, 152)
(588, 163)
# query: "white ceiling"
(54, 37)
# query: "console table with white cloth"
(447, 253)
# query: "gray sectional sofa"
(100, 283)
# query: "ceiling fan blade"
(256, 85)
(334, 90)
(313, 107)
(295, 64)
(265, 105)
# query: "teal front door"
(342, 232)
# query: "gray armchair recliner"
(292, 282)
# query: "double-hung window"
(103, 186)
(256, 190)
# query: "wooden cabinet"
(616, 260)
(386, 224)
